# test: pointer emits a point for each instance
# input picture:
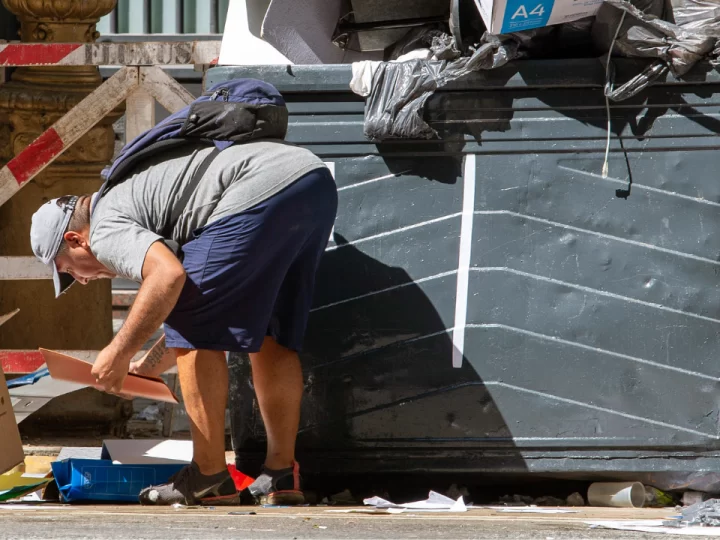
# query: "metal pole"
(147, 17)
(179, 16)
(214, 16)
(114, 21)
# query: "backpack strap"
(188, 192)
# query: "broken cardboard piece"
(15, 479)
(25, 489)
(272, 32)
(79, 452)
(241, 41)
(150, 451)
(67, 368)
(11, 450)
(33, 391)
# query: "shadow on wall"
(379, 375)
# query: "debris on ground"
(703, 514)
(344, 497)
(516, 500)
(546, 500)
(617, 494)
(530, 510)
(549, 501)
(151, 413)
(656, 498)
(693, 497)
(454, 492)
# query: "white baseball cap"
(49, 225)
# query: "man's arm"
(157, 360)
(163, 280)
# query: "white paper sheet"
(435, 502)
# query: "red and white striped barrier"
(109, 54)
(63, 133)
(81, 119)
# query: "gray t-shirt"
(134, 214)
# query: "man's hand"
(110, 370)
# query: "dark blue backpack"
(231, 112)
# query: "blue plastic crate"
(101, 480)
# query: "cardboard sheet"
(30, 398)
(11, 450)
(22, 490)
(67, 368)
(147, 451)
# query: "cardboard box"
(11, 450)
(506, 16)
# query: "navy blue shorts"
(252, 275)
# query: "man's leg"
(278, 381)
(204, 383)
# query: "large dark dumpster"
(581, 312)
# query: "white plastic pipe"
(617, 494)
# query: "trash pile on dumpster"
(672, 38)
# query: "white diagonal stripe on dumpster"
(598, 408)
(463, 275)
(599, 350)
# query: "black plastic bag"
(421, 37)
(400, 90)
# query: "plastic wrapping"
(697, 15)
(400, 90)
(421, 37)
(642, 34)
(676, 35)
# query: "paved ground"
(136, 523)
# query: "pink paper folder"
(67, 368)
